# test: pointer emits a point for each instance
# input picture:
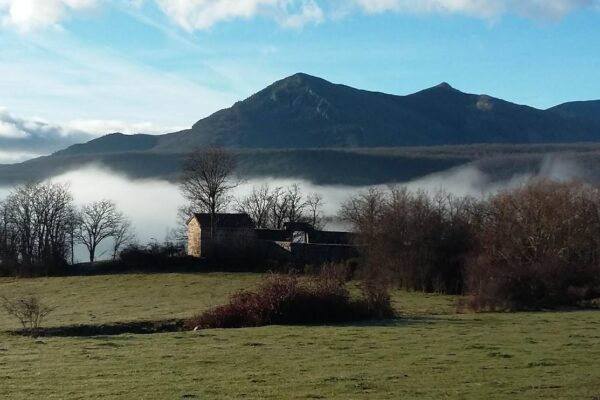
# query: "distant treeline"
(356, 167)
(531, 247)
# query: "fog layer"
(152, 204)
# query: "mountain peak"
(444, 85)
(300, 79)
(302, 76)
(442, 89)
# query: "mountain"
(111, 143)
(302, 111)
(304, 126)
(589, 110)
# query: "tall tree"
(122, 237)
(296, 204)
(257, 205)
(207, 180)
(36, 219)
(314, 203)
(99, 221)
(8, 242)
(279, 208)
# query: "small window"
(299, 237)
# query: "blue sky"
(76, 67)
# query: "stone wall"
(194, 233)
(228, 242)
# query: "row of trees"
(40, 226)
(530, 247)
(208, 181)
(273, 207)
(418, 239)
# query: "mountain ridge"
(303, 111)
(285, 128)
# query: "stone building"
(234, 235)
(232, 232)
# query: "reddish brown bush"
(537, 246)
(418, 241)
(289, 300)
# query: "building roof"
(223, 220)
(275, 235)
(298, 226)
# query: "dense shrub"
(531, 247)
(156, 254)
(419, 241)
(537, 246)
(152, 258)
(289, 300)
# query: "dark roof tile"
(223, 220)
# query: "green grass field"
(431, 353)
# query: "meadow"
(431, 352)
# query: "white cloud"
(10, 130)
(26, 15)
(191, 15)
(22, 139)
(309, 13)
(99, 127)
(487, 9)
(14, 129)
(204, 14)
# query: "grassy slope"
(124, 298)
(496, 356)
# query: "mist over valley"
(152, 204)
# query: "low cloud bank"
(25, 138)
(152, 204)
(472, 181)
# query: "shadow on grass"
(178, 325)
(118, 328)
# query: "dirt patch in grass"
(118, 328)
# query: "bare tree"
(287, 205)
(8, 242)
(73, 227)
(258, 205)
(207, 180)
(123, 236)
(278, 209)
(314, 203)
(296, 204)
(38, 217)
(364, 210)
(99, 221)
